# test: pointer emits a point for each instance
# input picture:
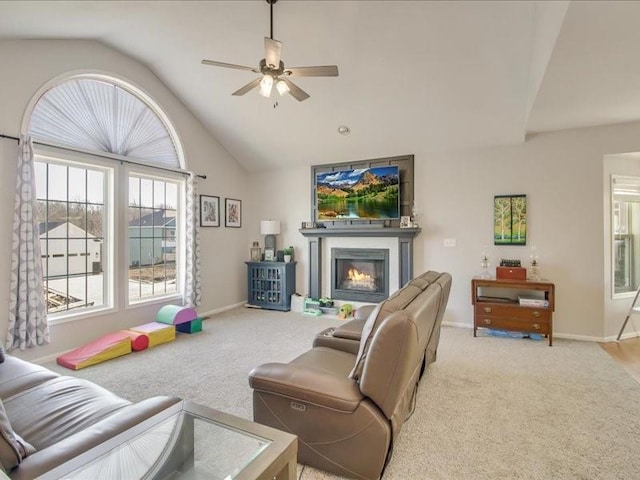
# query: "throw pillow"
(1, 354)
(13, 449)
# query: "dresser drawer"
(513, 324)
(514, 311)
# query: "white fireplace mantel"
(316, 235)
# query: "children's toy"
(175, 315)
(311, 307)
(139, 341)
(157, 332)
(190, 327)
(346, 310)
(507, 334)
(102, 349)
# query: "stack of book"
(533, 302)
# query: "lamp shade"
(269, 227)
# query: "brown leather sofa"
(49, 419)
(347, 408)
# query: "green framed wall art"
(510, 220)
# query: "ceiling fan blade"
(249, 86)
(295, 91)
(229, 65)
(272, 52)
(319, 71)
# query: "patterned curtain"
(28, 325)
(192, 277)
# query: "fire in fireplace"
(360, 274)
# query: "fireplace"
(360, 274)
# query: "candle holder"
(256, 252)
(484, 264)
(534, 265)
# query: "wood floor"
(627, 353)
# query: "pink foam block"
(104, 348)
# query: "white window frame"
(116, 226)
(68, 158)
(162, 175)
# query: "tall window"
(153, 220)
(110, 194)
(73, 209)
(625, 231)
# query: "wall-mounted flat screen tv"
(360, 194)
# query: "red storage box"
(511, 273)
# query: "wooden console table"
(496, 305)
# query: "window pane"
(56, 218)
(158, 194)
(152, 238)
(95, 187)
(77, 256)
(172, 196)
(134, 191)
(96, 220)
(72, 237)
(77, 184)
(158, 279)
(78, 218)
(146, 192)
(40, 169)
(57, 182)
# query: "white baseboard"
(205, 315)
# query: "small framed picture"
(269, 254)
(232, 213)
(209, 211)
(405, 221)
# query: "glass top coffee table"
(188, 441)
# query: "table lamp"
(270, 228)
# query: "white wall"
(26, 66)
(560, 172)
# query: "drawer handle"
(487, 321)
(535, 314)
(536, 326)
(487, 309)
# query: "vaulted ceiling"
(414, 75)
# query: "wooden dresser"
(496, 305)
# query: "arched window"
(111, 195)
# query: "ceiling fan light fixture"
(282, 87)
(266, 84)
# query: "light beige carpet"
(489, 408)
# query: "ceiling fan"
(274, 72)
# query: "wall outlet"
(449, 242)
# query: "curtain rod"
(9, 137)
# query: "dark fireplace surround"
(360, 274)
(363, 228)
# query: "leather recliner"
(346, 408)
